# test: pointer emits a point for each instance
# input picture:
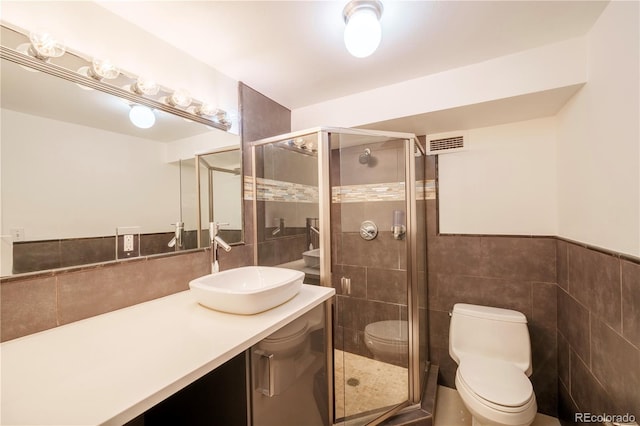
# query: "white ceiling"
(292, 51)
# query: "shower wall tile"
(387, 285)
(382, 165)
(383, 251)
(27, 306)
(261, 118)
(357, 275)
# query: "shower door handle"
(345, 283)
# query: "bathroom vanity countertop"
(111, 368)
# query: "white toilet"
(492, 349)
(388, 341)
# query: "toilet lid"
(499, 382)
(388, 331)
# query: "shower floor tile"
(363, 384)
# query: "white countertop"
(111, 368)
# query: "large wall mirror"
(80, 184)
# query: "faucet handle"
(214, 227)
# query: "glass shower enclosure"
(346, 206)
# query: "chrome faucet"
(176, 241)
(215, 241)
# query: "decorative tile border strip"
(272, 190)
(390, 191)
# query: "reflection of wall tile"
(36, 256)
(86, 250)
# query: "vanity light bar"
(102, 75)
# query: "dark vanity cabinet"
(289, 374)
(281, 381)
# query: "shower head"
(365, 157)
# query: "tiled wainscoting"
(584, 324)
(507, 272)
(598, 331)
(47, 300)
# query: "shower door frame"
(411, 144)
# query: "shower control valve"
(368, 230)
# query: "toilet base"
(482, 415)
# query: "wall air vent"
(445, 143)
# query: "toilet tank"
(490, 332)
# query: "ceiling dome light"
(362, 33)
(142, 116)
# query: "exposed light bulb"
(104, 68)
(362, 34)
(145, 86)
(206, 109)
(44, 46)
(180, 98)
(142, 116)
(100, 69)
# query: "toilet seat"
(500, 384)
(388, 332)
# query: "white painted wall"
(505, 183)
(599, 139)
(549, 67)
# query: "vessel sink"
(247, 290)
(312, 258)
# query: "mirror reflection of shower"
(367, 158)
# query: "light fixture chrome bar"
(75, 77)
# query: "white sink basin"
(247, 290)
